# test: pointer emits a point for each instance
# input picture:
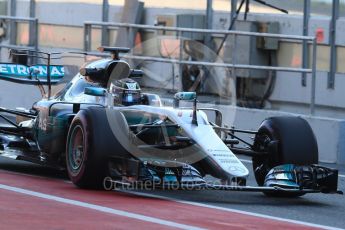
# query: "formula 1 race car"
(100, 125)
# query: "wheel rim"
(262, 144)
(76, 150)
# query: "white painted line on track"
(164, 198)
(99, 208)
(233, 210)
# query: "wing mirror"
(183, 96)
(187, 96)
(95, 91)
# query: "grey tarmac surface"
(322, 209)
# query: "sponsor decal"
(39, 71)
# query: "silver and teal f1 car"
(87, 129)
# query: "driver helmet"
(125, 92)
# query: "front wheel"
(288, 140)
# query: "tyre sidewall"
(93, 168)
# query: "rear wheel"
(86, 166)
(288, 140)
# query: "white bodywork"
(204, 135)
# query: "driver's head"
(125, 92)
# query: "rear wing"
(32, 75)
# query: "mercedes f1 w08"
(101, 125)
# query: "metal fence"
(33, 32)
(89, 25)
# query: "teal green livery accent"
(185, 96)
(95, 91)
(36, 71)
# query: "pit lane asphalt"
(319, 209)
